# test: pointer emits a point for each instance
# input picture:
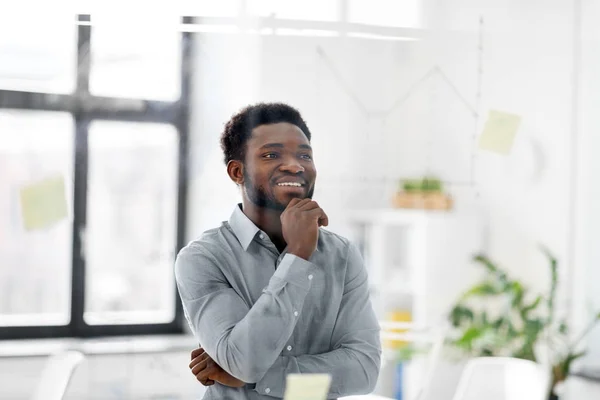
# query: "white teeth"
(296, 184)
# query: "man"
(270, 293)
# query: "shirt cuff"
(273, 383)
(295, 270)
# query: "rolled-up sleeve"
(354, 361)
(243, 340)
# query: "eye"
(306, 156)
(270, 155)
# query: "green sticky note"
(307, 386)
(43, 203)
(499, 132)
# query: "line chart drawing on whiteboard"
(379, 117)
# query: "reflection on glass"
(34, 285)
(38, 51)
(136, 57)
(131, 223)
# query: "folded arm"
(245, 341)
(354, 361)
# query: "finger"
(316, 213)
(323, 219)
(310, 205)
(205, 373)
(301, 203)
(293, 202)
(206, 382)
(197, 352)
(198, 359)
(201, 366)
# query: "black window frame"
(85, 108)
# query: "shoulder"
(201, 253)
(332, 242)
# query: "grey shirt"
(262, 315)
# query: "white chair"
(503, 378)
(56, 375)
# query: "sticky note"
(43, 203)
(499, 132)
(307, 386)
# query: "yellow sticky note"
(43, 203)
(307, 386)
(499, 132)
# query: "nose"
(291, 165)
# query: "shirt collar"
(244, 229)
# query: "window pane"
(135, 57)
(38, 50)
(399, 13)
(131, 223)
(35, 258)
(314, 10)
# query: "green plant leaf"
(517, 293)
(486, 288)
(467, 339)
(553, 282)
(411, 185)
(431, 184)
(565, 364)
(460, 314)
(526, 310)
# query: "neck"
(268, 220)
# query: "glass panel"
(210, 8)
(132, 221)
(136, 57)
(314, 10)
(36, 175)
(399, 13)
(38, 50)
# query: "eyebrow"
(281, 146)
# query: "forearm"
(244, 341)
(354, 369)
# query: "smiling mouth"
(290, 184)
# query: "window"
(34, 146)
(92, 178)
(142, 63)
(23, 50)
(131, 223)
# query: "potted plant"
(425, 193)
(500, 317)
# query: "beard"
(261, 197)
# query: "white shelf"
(393, 216)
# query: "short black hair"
(239, 128)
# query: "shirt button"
(262, 236)
(310, 277)
(289, 348)
(295, 313)
(267, 390)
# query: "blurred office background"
(110, 116)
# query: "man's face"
(278, 166)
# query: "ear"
(235, 170)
